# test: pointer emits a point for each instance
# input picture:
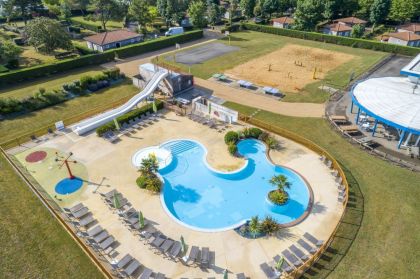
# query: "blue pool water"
(68, 186)
(205, 199)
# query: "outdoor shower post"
(374, 127)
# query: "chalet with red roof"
(283, 22)
(112, 39)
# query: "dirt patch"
(291, 67)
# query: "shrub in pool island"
(232, 148)
(231, 137)
(148, 179)
(269, 225)
(279, 196)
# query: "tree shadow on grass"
(346, 233)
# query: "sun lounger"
(285, 266)
(312, 239)
(127, 213)
(88, 219)
(194, 254)
(291, 258)
(160, 276)
(205, 256)
(268, 271)
(74, 208)
(306, 246)
(298, 253)
(240, 276)
(94, 231)
(132, 267)
(146, 274)
(124, 261)
(175, 250)
(101, 237)
(166, 245)
(80, 213)
(158, 241)
(108, 195)
(106, 243)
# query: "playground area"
(291, 67)
(104, 166)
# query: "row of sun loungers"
(132, 125)
(293, 257)
(203, 120)
(128, 266)
(198, 257)
(80, 215)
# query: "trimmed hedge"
(140, 48)
(338, 40)
(56, 67)
(110, 126)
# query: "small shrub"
(254, 132)
(232, 148)
(141, 181)
(231, 136)
(269, 225)
(263, 136)
(85, 81)
(153, 184)
(278, 197)
(271, 142)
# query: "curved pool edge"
(298, 220)
(308, 209)
(205, 157)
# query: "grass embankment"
(33, 244)
(26, 89)
(381, 225)
(256, 44)
(11, 128)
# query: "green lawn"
(380, 228)
(255, 44)
(111, 24)
(33, 244)
(11, 128)
(25, 89)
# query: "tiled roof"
(405, 36)
(350, 20)
(337, 27)
(111, 37)
(411, 27)
(283, 20)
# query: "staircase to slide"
(103, 118)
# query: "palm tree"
(149, 165)
(280, 181)
(254, 226)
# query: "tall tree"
(233, 7)
(197, 12)
(364, 8)
(24, 7)
(357, 31)
(379, 11)
(271, 6)
(403, 10)
(140, 11)
(328, 12)
(213, 13)
(308, 14)
(247, 7)
(107, 10)
(47, 35)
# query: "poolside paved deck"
(111, 164)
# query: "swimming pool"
(204, 199)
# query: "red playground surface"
(36, 156)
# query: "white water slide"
(103, 118)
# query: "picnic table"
(270, 90)
(350, 128)
(244, 83)
(339, 118)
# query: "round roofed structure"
(394, 101)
